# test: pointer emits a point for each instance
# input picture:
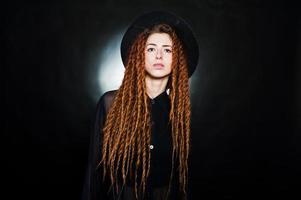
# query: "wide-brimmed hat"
(181, 27)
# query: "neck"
(154, 87)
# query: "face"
(158, 55)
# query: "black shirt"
(161, 152)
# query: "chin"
(158, 75)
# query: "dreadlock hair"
(127, 130)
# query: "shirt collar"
(161, 99)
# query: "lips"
(158, 65)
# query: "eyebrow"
(165, 45)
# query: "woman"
(140, 145)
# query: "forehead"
(159, 38)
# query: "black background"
(245, 94)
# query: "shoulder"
(106, 99)
(109, 95)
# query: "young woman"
(140, 145)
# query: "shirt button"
(153, 101)
(153, 123)
(151, 146)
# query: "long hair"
(127, 130)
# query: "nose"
(159, 54)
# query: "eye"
(167, 50)
(151, 49)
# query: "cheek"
(169, 60)
(150, 57)
(147, 61)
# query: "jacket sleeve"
(93, 187)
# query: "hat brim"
(182, 29)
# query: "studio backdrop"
(61, 56)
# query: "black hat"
(182, 29)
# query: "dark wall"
(245, 94)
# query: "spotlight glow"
(111, 69)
